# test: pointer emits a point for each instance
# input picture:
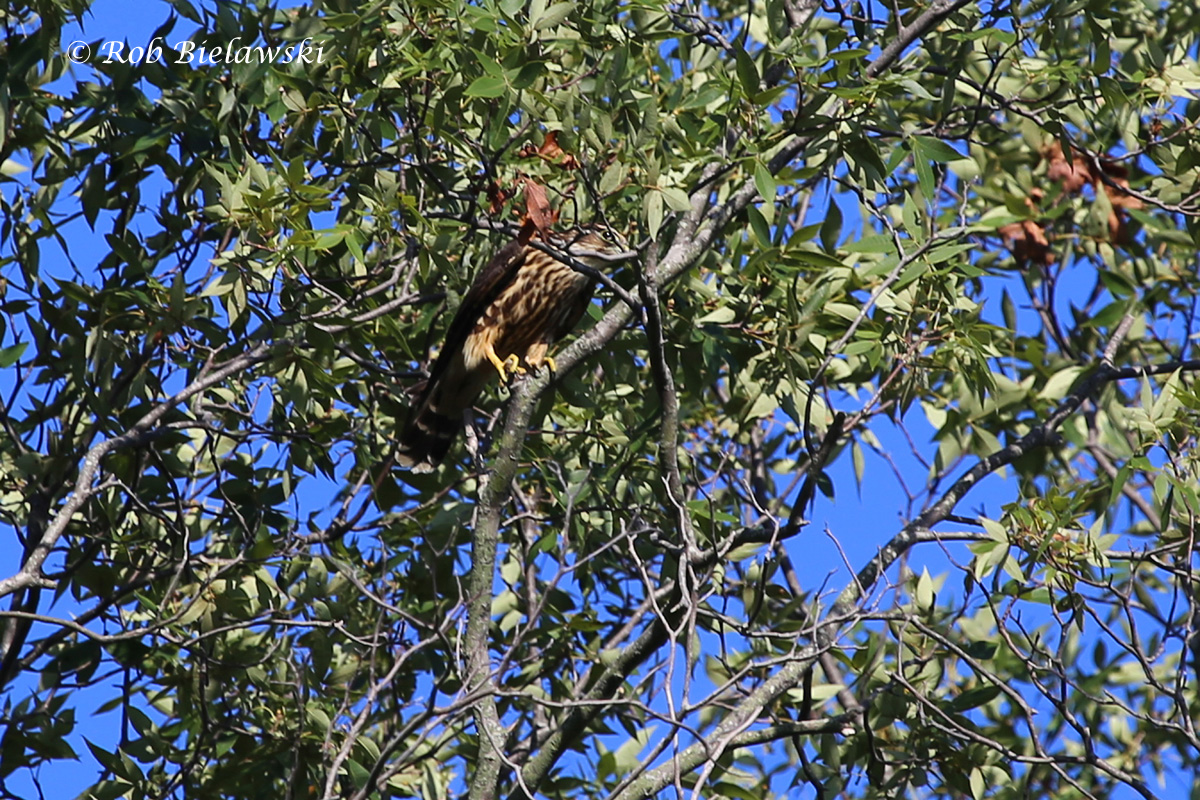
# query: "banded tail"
(437, 416)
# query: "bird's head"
(596, 246)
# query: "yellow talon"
(508, 367)
(498, 364)
(549, 362)
(536, 356)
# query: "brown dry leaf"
(1116, 226)
(550, 148)
(1028, 242)
(537, 207)
(1109, 175)
(497, 197)
(1073, 174)
(1012, 232)
(550, 151)
(526, 232)
(1117, 190)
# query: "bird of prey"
(522, 302)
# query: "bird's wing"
(492, 280)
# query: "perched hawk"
(522, 302)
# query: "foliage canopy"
(950, 246)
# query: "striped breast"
(542, 304)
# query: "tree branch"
(31, 571)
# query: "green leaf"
(1117, 284)
(978, 784)
(486, 86)
(10, 355)
(718, 316)
(864, 155)
(925, 177)
(935, 149)
(911, 220)
(1060, 383)
(976, 697)
(764, 181)
(676, 199)
(746, 71)
(994, 529)
(831, 227)
(110, 761)
(1008, 310)
(654, 212)
(925, 596)
(758, 224)
(554, 15)
(186, 10)
(859, 461)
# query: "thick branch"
(696, 231)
